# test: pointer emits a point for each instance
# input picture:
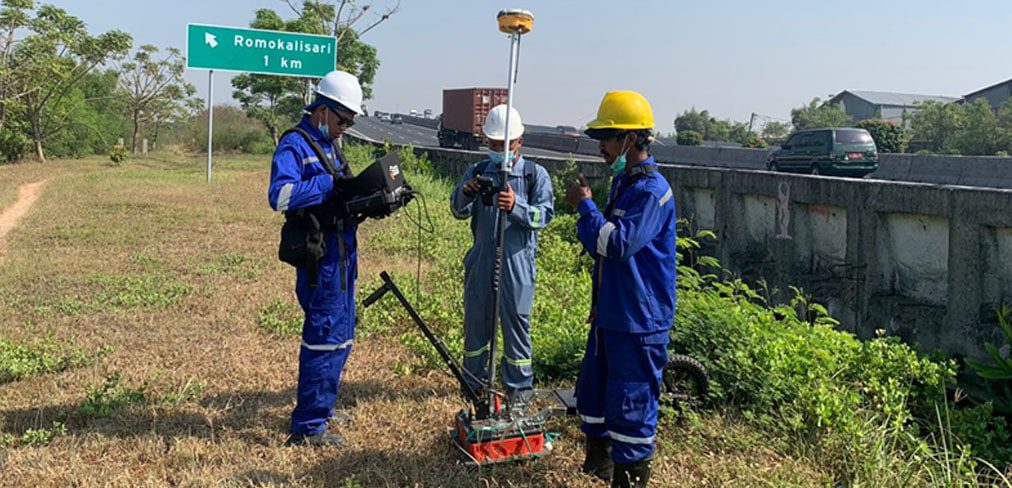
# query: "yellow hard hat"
(623, 110)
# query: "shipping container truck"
(464, 112)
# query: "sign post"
(210, 119)
(258, 51)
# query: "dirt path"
(10, 216)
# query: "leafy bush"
(233, 132)
(101, 401)
(560, 183)
(412, 162)
(19, 361)
(889, 137)
(118, 154)
(794, 375)
(280, 317)
(689, 138)
(14, 142)
(259, 146)
(36, 437)
(998, 373)
(752, 140)
(987, 434)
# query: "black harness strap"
(319, 211)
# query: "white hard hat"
(495, 124)
(342, 87)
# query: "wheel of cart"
(684, 382)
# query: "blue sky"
(732, 57)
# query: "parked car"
(396, 119)
(843, 152)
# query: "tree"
(776, 131)
(689, 138)
(889, 137)
(817, 114)
(52, 59)
(980, 134)
(154, 88)
(277, 101)
(711, 128)
(13, 16)
(1005, 124)
(936, 126)
(693, 120)
(273, 100)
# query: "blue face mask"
(324, 129)
(496, 157)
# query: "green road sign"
(259, 51)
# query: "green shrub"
(689, 138)
(259, 146)
(889, 137)
(19, 361)
(793, 375)
(280, 317)
(359, 156)
(753, 141)
(986, 433)
(233, 132)
(414, 163)
(998, 373)
(40, 436)
(101, 401)
(14, 142)
(561, 180)
(118, 154)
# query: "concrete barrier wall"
(924, 262)
(420, 121)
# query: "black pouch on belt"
(302, 242)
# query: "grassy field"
(142, 319)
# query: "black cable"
(420, 225)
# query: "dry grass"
(14, 175)
(169, 274)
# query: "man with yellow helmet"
(633, 303)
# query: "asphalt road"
(419, 136)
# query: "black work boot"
(598, 461)
(635, 475)
(324, 438)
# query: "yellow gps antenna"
(514, 22)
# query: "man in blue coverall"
(528, 201)
(633, 303)
(300, 181)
